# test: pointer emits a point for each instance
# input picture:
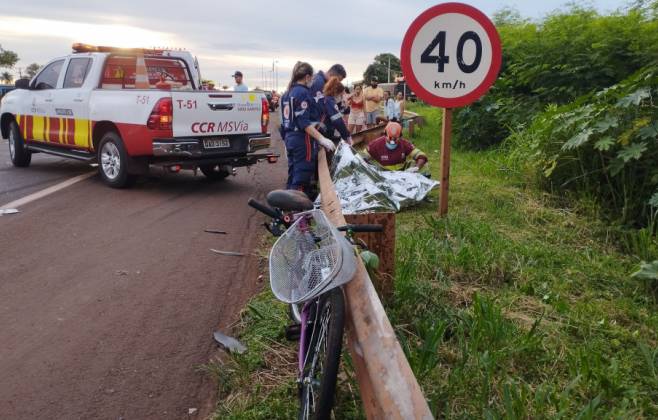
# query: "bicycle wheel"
(318, 383)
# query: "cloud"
(226, 36)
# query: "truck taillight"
(264, 116)
(162, 115)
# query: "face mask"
(391, 146)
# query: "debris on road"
(230, 253)
(192, 411)
(8, 211)
(229, 343)
(219, 232)
(121, 273)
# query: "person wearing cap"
(394, 153)
(239, 86)
(374, 95)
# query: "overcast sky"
(244, 35)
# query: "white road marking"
(47, 191)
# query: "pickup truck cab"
(128, 109)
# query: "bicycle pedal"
(293, 332)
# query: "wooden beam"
(446, 132)
(388, 387)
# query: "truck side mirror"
(22, 84)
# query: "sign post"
(450, 56)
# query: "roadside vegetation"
(537, 297)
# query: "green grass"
(517, 305)
(533, 296)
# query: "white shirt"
(241, 88)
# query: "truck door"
(34, 120)
(70, 125)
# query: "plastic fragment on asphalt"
(229, 253)
(192, 411)
(8, 211)
(219, 232)
(229, 343)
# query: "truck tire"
(113, 161)
(214, 172)
(18, 152)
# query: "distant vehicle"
(127, 109)
(4, 89)
(272, 99)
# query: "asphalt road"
(108, 298)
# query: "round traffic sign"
(451, 55)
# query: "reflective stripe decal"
(65, 131)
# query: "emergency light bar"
(79, 47)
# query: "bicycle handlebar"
(365, 228)
(264, 209)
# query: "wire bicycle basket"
(310, 258)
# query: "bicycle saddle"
(289, 200)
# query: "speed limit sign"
(451, 55)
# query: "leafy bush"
(604, 144)
(569, 54)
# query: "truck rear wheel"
(214, 172)
(18, 152)
(113, 161)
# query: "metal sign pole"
(446, 131)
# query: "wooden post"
(382, 244)
(446, 131)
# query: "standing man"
(320, 79)
(374, 96)
(239, 86)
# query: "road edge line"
(47, 191)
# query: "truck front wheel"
(113, 161)
(214, 172)
(19, 154)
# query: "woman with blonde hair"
(357, 117)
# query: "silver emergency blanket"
(365, 188)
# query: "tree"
(380, 68)
(7, 58)
(6, 77)
(32, 70)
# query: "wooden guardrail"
(388, 387)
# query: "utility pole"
(388, 74)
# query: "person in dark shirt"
(332, 118)
(299, 133)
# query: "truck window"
(76, 72)
(163, 73)
(47, 79)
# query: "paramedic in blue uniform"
(298, 130)
(331, 116)
(320, 79)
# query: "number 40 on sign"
(450, 56)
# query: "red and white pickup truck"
(127, 109)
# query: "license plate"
(215, 143)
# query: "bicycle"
(318, 309)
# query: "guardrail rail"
(388, 387)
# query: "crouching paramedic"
(394, 153)
(298, 130)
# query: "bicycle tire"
(317, 393)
